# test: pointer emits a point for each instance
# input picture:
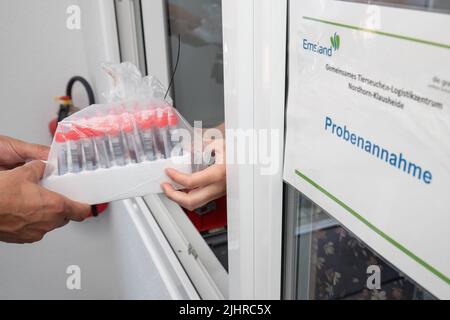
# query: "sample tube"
(131, 137)
(87, 135)
(75, 153)
(145, 120)
(103, 153)
(61, 152)
(116, 143)
(174, 134)
(162, 134)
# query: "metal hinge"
(192, 251)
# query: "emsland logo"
(318, 48)
(335, 41)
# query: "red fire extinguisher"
(211, 216)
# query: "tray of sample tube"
(110, 152)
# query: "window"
(178, 42)
(198, 23)
(324, 260)
(195, 41)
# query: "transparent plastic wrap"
(120, 149)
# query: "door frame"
(254, 35)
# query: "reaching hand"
(201, 187)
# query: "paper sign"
(368, 128)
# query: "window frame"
(255, 99)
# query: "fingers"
(34, 170)
(30, 151)
(202, 178)
(179, 197)
(216, 148)
(195, 198)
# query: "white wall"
(108, 250)
(38, 56)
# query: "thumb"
(70, 209)
(34, 170)
(76, 211)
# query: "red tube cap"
(60, 137)
(162, 119)
(126, 122)
(111, 125)
(85, 129)
(145, 119)
(96, 126)
(172, 117)
(73, 135)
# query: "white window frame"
(199, 262)
(175, 278)
(255, 70)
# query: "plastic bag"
(120, 149)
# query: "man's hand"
(203, 186)
(14, 152)
(28, 211)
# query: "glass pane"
(336, 262)
(198, 82)
(198, 92)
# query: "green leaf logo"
(335, 41)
